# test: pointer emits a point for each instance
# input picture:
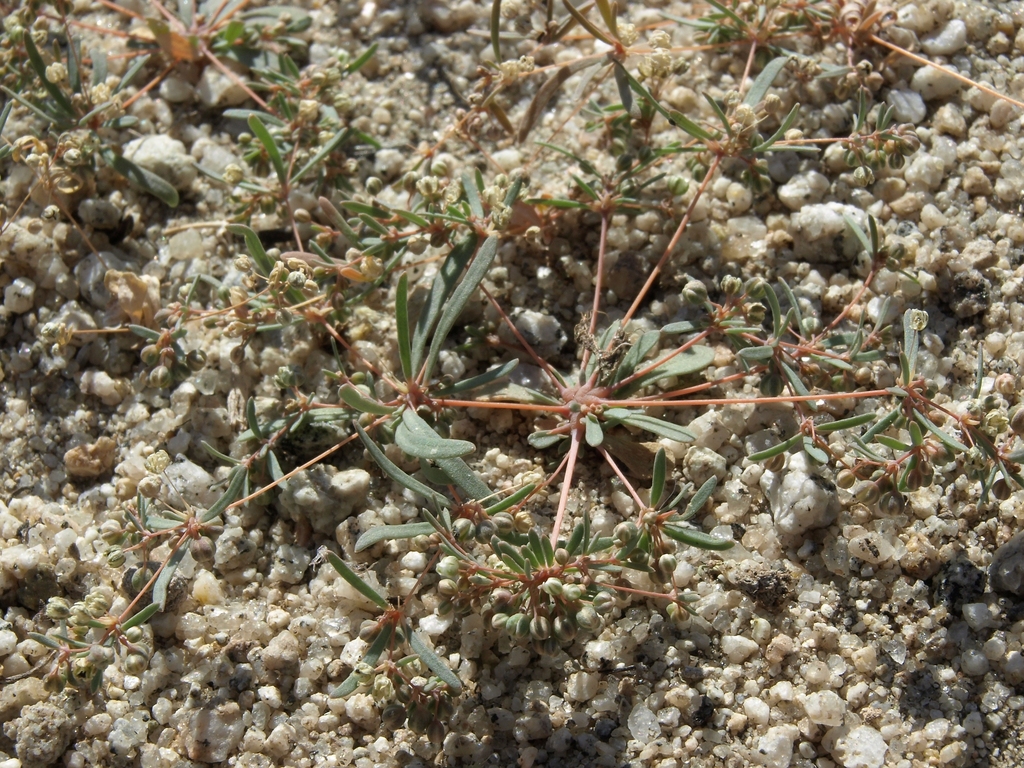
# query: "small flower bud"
(587, 618)
(463, 528)
(232, 174)
(115, 557)
(695, 292)
(572, 592)
(677, 185)
(393, 716)
(58, 609)
(540, 627)
(135, 664)
(160, 377)
(552, 587)
(448, 567)
(202, 551)
(731, 285)
(158, 462)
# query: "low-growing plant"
(536, 569)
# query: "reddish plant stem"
(563, 499)
(674, 241)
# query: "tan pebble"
(91, 459)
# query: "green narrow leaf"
(636, 354)
(756, 354)
(49, 642)
(353, 578)
(260, 132)
(339, 221)
(548, 551)
(861, 235)
(852, 421)
(594, 433)
(946, 439)
(495, 30)
(99, 65)
(775, 450)
(797, 383)
(218, 455)
(141, 617)
(692, 360)
(658, 477)
(74, 65)
(576, 539)
(887, 421)
(700, 498)
(250, 417)
(163, 581)
(140, 177)
(483, 379)
(357, 64)
(676, 118)
(650, 423)
(440, 292)
(608, 12)
(233, 492)
(316, 160)
(719, 112)
(39, 67)
(390, 532)
(131, 73)
(264, 264)
(395, 473)
(625, 92)
(402, 324)
(274, 467)
(353, 398)
(588, 25)
(543, 439)
(794, 305)
(140, 330)
(373, 653)
(464, 477)
(417, 438)
(460, 297)
(433, 661)
(787, 123)
(265, 117)
(510, 501)
(506, 550)
(759, 88)
(777, 317)
(587, 189)
(814, 451)
(892, 443)
(472, 195)
(585, 166)
(697, 538)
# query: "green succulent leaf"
(354, 398)
(373, 654)
(392, 532)
(354, 579)
(659, 427)
(139, 177)
(759, 88)
(417, 438)
(696, 538)
(433, 661)
(396, 473)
